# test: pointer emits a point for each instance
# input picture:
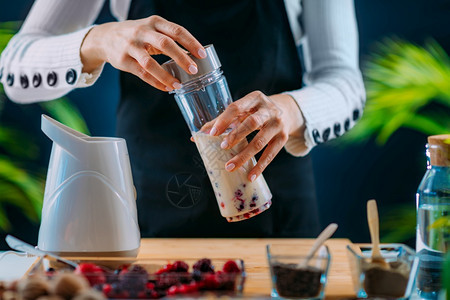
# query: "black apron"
(174, 195)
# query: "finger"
(257, 144)
(135, 68)
(206, 128)
(238, 109)
(182, 36)
(251, 123)
(151, 66)
(272, 149)
(167, 46)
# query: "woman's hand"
(128, 46)
(276, 117)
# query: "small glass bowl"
(372, 280)
(150, 284)
(292, 278)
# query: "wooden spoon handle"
(372, 219)
(323, 236)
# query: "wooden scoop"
(372, 219)
(323, 236)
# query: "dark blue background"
(346, 176)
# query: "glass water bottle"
(433, 218)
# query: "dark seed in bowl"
(294, 282)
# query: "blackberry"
(204, 265)
(180, 266)
(197, 275)
(135, 279)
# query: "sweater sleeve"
(333, 95)
(42, 61)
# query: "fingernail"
(176, 85)
(168, 89)
(193, 69)
(201, 53)
(229, 167)
(213, 131)
(252, 178)
(224, 144)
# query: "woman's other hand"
(277, 118)
(128, 46)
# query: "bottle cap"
(205, 65)
(439, 147)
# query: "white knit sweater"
(42, 62)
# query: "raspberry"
(155, 295)
(173, 290)
(93, 273)
(210, 282)
(142, 295)
(183, 289)
(166, 269)
(231, 267)
(204, 265)
(107, 289)
(226, 280)
(180, 266)
(194, 286)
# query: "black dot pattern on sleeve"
(10, 79)
(355, 114)
(71, 76)
(326, 134)
(316, 136)
(52, 79)
(37, 80)
(24, 83)
(337, 129)
(347, 124)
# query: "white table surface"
(13, 267)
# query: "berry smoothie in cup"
(237, 197)
(201, 98)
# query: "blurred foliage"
(402, 81)
(20, 186)
(398, 224)
(407, 86)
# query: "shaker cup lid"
(205, 65)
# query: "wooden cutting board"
(253, 252)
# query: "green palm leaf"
(401, 80)
(31, 186)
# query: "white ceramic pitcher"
(90, 201)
